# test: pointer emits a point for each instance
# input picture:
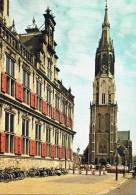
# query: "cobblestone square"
(67, 185)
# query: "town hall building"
(36, 109)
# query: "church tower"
(103, 109)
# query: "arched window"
(103, 86)
(103, 98)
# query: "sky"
(77, 33)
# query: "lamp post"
(78, 159)
(116, 160)
(78, 150)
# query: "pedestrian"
(100, 169)
(103, 169)
(86, 167)
(93, 170)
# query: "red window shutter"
(3, 82)
(32, 100)
(61, 118)
(2, 142)
(22, 93)
(19, 92)
(35, 101)
(44, 107)
(16, 145)
(54, 113)
(19, 145)
(34, 148)
(52, 151)
(43, 150)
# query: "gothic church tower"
(103, 109)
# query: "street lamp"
(78, 150)
(116, 160)
(78, 159)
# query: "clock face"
(104, 68)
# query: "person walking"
(100, 169)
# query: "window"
(39, 94)
(10, 76)
(26, 83)
(49, 100)
(97, 98)
(49, 69)
(38, 139)
(57, 143)
(57, 105)
(48, 141)
(64, 109)
(25, 136)
(9, 131)
(103, 98)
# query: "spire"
(106, 20)
(13, 27)
(105, 52)
(105, 41)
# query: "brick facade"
(36, 110)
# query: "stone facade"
(36, 110)
(103, 109)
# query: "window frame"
(25, 136)
(10, 136)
